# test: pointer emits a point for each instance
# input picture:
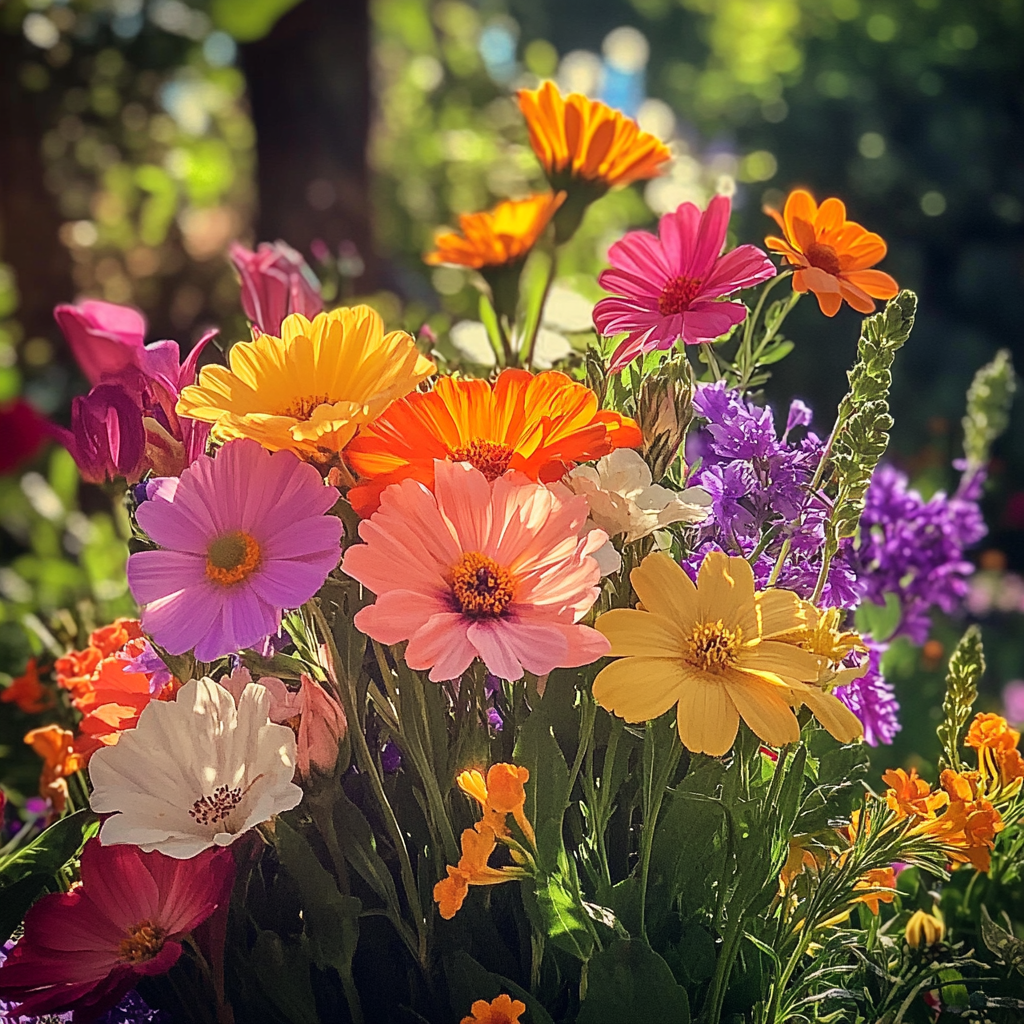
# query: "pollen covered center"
(490, 457)
(712, 647)
(480, 585)
(231, 558)
(217, 807)
(142, 942)
(824, 257)
(302, 408)
(677, 294)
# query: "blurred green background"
(139, 137)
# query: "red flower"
(83, 950)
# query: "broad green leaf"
(468, 981)
(558, 912)
(1006, 946)
(283, 972)
(878, 620)
(629, 982)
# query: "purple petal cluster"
(872, 700)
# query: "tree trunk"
(309, 88)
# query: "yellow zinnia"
(311, 389)
(710, 650)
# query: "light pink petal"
(710, 238)
(706, 321)
(493, 641)
(464, 500)
(442, 645)
(181, 521)
(398, 614)
(157, 574)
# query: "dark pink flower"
(84, 949)
(23, 430)
(667, 287)
(276, 281)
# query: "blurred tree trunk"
(29, 217)
(309, 87)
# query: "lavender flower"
(871, 698)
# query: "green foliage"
(988, 408)
(628, 981)
(247, 20)
(966, 667)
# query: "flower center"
(712, 646)
(490, 457)
(677, 294)
(209, 810)
(480, 585)
(824, 257)
(302, 408)
(231, 558)
(143, 941)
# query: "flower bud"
(924, 929)
(276, 281)
(664, 410)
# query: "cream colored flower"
(625, 501)
(195, 772)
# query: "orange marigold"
(27, 692)
(992, 731)
(580, 139)
(498, 237)
(503, 1010)
(540, 425)
(909, 795)
(832, 254)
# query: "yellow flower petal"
(833, 714)
(790, 663)
(725, 592)
(664, 588)
(706, 717)
(639, 689)
(764, 707)
(779, 612)
(640, 634)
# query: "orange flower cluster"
(27, 692)
(503, 1010)
(502, 793)
(999, 761)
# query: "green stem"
(654, 795)
(530, 343)
(712, 1012)
(749, 358)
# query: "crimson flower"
(668, 286)
(84, 949)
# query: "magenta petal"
(178, 622)
(706, 321)
(744, 267)
(623, 283)
(641, 254)
(710, 238)
(243, 620)
(678, 233)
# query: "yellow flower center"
(231, 558)
(209, 810)
(824, 257)
(490, 457)
(143, 941)
(677, 294)
(302, 408)
(480, 585)
(712, 647)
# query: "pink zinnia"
(85, 949)
(667, 286)
(501, 570)
(242, 536)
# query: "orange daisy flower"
(832, 254)
(579, 139)
(499, 236)
(541, 425)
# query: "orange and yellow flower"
(497, 237)
(876, 887)
(27, 692)
(540, 425)
(833, 255)
(999, 761)
(56, 747)
(310, 390)
(503, 1010)
(710, 650)
(578, 139)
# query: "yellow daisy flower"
(710, 651)
(310, 390)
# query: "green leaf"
(629, 982)
(468, 981)
(880, 621)
(359, 848)
(775, 353)
(248, 20)
(557, 910)
(283, 972)
(988, 408)
(966, 667)
(1006, 946)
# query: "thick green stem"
(654, 795)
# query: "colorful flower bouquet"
(526, 699)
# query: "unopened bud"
(924, 929)
(664, 411)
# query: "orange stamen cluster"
(232, 558)
(143, 942)
(481, 586)
(501, 794)
(490, 457)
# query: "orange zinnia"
(498, 237)
(540, 425)
(579, 139)
(832, 254)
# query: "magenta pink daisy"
(667, 287)
(86, 948)
(498, 570)
(242, 536)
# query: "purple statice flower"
(871, 698)
(915, 548)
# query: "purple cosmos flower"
(241, 537)
(276, 282)
(667, 287)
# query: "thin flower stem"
(653, 797)
(530, 344)
(749, 358)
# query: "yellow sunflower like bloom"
(710, 651)
(310, 390)
(498, 237)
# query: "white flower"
(195, 772)
(624, 500)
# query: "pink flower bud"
(276, 281)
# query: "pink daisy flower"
(242, 536)
(498, 570)
(667, 286)
(86, 948)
